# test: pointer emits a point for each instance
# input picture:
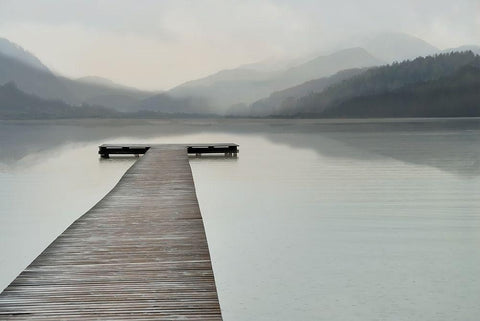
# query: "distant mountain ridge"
(473, 48)
(28, 75)
(397, 47)
(12, 50)
(457, 95)
(230, 87)
(105, 82)
(31, 76)
(309, 87)
(90, 93)
(96, 80)
(15, 104)
(33, 80)
(165, 103)
(281, 99)
(380, 81)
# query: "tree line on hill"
(408, 89)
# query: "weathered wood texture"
(141, 253)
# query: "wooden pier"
(139, 254)
(229, 149)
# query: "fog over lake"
(315, 219)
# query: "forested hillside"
(283, 98)
(381, 81)
(454, 96)
(15, 104)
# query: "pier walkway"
(140, 253)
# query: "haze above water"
(315, 220)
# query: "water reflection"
(449, 145)
(456, 152)
(315, 220)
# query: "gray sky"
(156, 44)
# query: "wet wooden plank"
(141, 253)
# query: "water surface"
(315, 220)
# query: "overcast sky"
(156, 44)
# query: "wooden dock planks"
(141, 253)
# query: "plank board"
(140, 253)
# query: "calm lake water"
(315, 220)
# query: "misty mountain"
(472, 48)
(275, 64)
(398, 47)
(380, 81)
(120, 98)
(324, 66)
(457, 95)
(40, 82)
(32, 77)
(234, 86)
(164, 103)
(16, 104)
(96, 80)
(12, 50)
(227, 87)
(120, 102)
(97, 91)
(44, 84)
(276, 100)
(105, 82)
(337, 78)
